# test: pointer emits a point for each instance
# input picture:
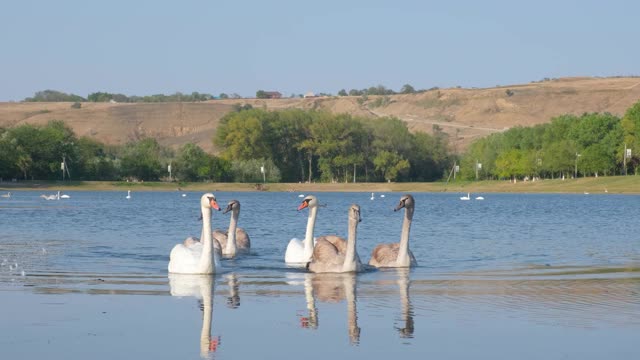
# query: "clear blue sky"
(140, 47)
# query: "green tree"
(192, 164)
(390, 164)
(141, 160)
(407, 89)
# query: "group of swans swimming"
(323, 254)
(55, 196)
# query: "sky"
(140, 47)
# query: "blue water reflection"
(513, 276)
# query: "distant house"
(272, 95)
(309, 95)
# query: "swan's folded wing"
(325, 252)
(242, 239)
(339, 243)
(384, 254)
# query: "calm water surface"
(513, 276)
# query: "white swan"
(7, 195)
(468, 197)
(372, 197)
(65, 196)
(329, 257)
(235, 240)
(397, 254)
(49, 197)
(128, 194)
(479, 198)
(300, 252)
(193, 256)
(200, 287)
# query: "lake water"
(511, 277)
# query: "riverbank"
(592, 185)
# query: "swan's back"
(326, 257)
(386, 255)
(339, 243)
(183, 259)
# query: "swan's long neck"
(308, 238)
(350, 256)
(403, 250)
(207, 266)
(231, 236)
(206, 290)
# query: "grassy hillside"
(465, 114)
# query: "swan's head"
(208, 200)
(308, 202)
(354, 213)
(231, 206)
(406, 201)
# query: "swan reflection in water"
(406, 331)
(233, 300)
(331, 288)
(201, 288)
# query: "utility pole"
(624, 159)
(455, 170)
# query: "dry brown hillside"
(465, 114)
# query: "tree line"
(587, 145)
(289, 146)
(319, 146)
(100, 96)
(32, 152)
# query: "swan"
(7, 195)
(479, 198)
(200, 287)
(128, 194)
(65, 196)
(397, 254)
(329, 257)
(372, 197)
(468, 197)
(49, 197)
(235, 240)
(300, 252)
(193, 256)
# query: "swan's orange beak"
(214, 204)
(303, 205)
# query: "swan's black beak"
(227, 209)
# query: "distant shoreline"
(601, 185)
